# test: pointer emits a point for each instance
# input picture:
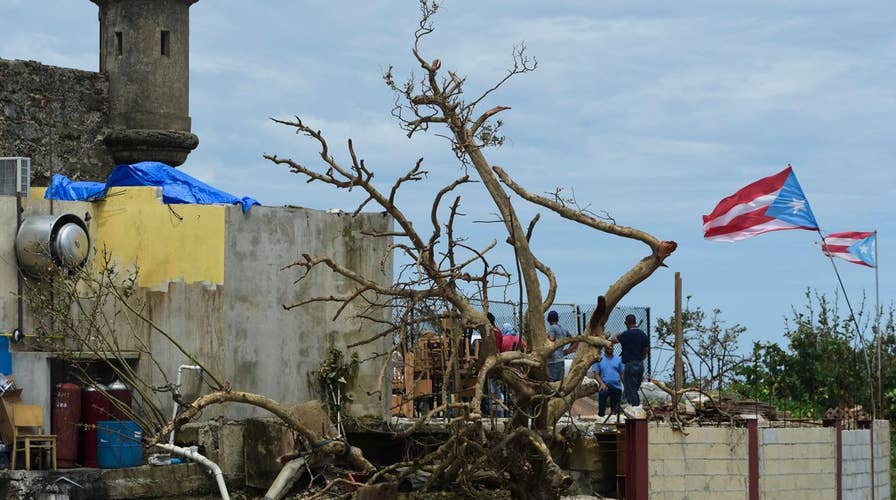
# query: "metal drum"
(120, 392)
(94, 408)
(66, 417)
(48, 242)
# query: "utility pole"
(679, 366)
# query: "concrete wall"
(797, 463)
(856, 464)
(54, 116)
(32, 372)
(215, 283)
(882, 473)
(707, 463)
(168, 243)
(7, 264)
(259, 244)
(794, 463)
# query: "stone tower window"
(118, 43)
(166, 43)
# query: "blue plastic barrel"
(118, 444)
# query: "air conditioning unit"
(15, 176)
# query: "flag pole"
(877, 313)
(856, 323)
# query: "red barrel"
(118, 410)
(66, 417)
(94, 407)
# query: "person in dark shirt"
(556, 333)
(635, 346)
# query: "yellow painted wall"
(166, 242)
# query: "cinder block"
(710, 451)
(667, 484)
(808, 482)
(802, 435)
(664, 435)
(727, 483)
(664, 451)
(676, 467)
(715, 495)
(856, 467)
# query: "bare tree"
(445, 269)
(710, 348)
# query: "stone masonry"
(55, 116)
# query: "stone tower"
(145, 52)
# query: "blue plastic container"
(118, 444)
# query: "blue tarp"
(63, 188)
(177, 187)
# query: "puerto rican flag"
(856, 247)
(774, 203)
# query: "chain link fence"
(420, 375)
(575, 318)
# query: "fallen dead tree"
(444, 270)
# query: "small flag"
(855, 247)
(774, 203)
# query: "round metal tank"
(66, 417)
(48, 242)
(94, 407)
(119, 391)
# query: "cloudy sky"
(652, 111)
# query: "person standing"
(511, 340)
(556, 333)
(494, 390)
(608, 373)
(635, 347)
(496, 332)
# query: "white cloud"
(652, 111)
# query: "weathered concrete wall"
(49, 113)
(32, 372)
(7, 263)
(173, 481)
(707, 463)
(168, 243)
(267, 343)
(229, 315)
(797, 463)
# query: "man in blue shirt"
(608, 373)
(635, 346)
(556, 333)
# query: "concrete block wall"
(881, 459)
(793, 463)
(856, 464)
(708, 463)
(798, 463)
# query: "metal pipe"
(20, 315)
(180, 371)
(285, 479)
(196, 457)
